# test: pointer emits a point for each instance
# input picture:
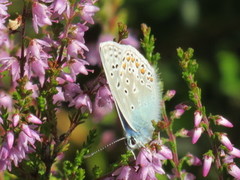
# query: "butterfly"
(135, 89)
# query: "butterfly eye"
(133, 141)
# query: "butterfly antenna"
(104, 147)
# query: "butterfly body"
(135, 89)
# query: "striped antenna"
(104, 147)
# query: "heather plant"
(50, 69)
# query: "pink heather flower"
(197, 118)
(1, 120)
(122, 172)
(33, 119)
(67, 77)
(82, 101)
(223, 122)
(207, 162)
(235, 152)
(15, 119)
(37, 60)
(71, 90)
(179, 110)
(61, 6)
(41, 15)
(88, 11)
(196, 134)
(194, 160)
(76, 48)
(33, 87)
(188, 176)
(6, 63)
(78, 67)
(5, 100)
(165, 151)
(26, 130)
(225, 141)
(10, 139)
(59, 97)
(3, 9)
(103, 103)
(77, 32)
(170, 94)
(233, 170)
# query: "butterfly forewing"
(135, 88)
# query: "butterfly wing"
(135, 89)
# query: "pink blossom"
(122, 173)
(179, 110)
(194, 160)
(82, 101)
(170, 94)
(197, 118)
(88, 11)
(233, 170)
(41, 15)
(196, 134)
(103, 102)
(76, 48)
(78, 67)
(3, 9)
(223, 122)
(207, 162)
(15, 119)
(26, 129)
(59, 97)
(61, 6)
(225, 141)
(5, 100)
(10, 139)
(33, 119)
(71, 90)
(235, 152)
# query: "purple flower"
(88, 10)
(103, 102)
(233, 170)
(225, 141)
(122, 172)
(170, 94)
(196, 134)
(37, 60)
(61, 6)
(33, 119)
(197, 118)
(76, 48)
(207, 162)
(10, 139)
(179, 110)
(82, 101)
(78, 66)
(59, 97)
(5, 100)
(41, 15)
(194, 160)
(3, 9)
(235, 152)
(15, 119)
(223, 122)
(71, 90)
